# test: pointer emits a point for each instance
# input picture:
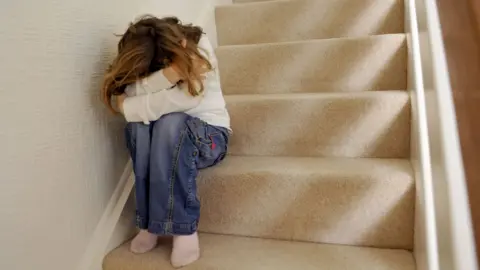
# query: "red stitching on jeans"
(213, 142)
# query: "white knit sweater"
(152, 97)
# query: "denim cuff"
(141, 223)
(172, 228)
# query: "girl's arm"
(156, 96)
(150, 107)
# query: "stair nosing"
(365, 160)
(323, 158)
(315, 95)
(402, 257)
(313, 41)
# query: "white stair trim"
(444, 235)
(95, 251)
(425, 249)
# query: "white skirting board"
(93, 256)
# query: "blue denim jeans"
(167, 155)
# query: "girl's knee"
(135, 132)
(133, 125)
(172, 118)
(131, 129)
(172, 123)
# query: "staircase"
(318, 175)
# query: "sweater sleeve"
(155, 97)
(151, 106)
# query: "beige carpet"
(307, 19)
(367, 124)
(238, 253)
(365, 202)
(328, 65)
(319, 155)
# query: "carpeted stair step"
(365, 124)
(307, 19)
(238, 253)
(329, 65)
(364, 202)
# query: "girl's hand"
(200, 67)
(171, 74)
(120, 100)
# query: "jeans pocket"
(209, 143)
(212, 151)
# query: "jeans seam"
(190, 181)
(176, 156)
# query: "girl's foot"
(143, 242)
(185, 251)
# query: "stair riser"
(374, 208)
(281, 21)
(335, 65)
(375, 125)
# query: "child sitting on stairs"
(165, 83)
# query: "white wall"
(62, 153)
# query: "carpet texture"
(329, 65)
(307, 19)
(238, 253)
(366, 202)
(317, 175)
(368, 124)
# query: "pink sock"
(185, 251)
(143, 242)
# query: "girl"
(166, 85)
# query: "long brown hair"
(151, 44)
